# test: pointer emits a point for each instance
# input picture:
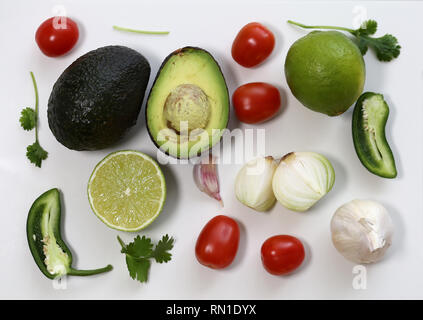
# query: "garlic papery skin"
(253, 184)
(362, 231)
(302, 179)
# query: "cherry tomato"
(282, 254)
(56, 36)
(217, 243)
(256, 102)
(253, 44)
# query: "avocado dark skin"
(98, 98)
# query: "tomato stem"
(140, 31)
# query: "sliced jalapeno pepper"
(368, 129)
(50, 253)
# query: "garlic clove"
(206, 178)
(253, 184)
(301, 179)
(362, 231)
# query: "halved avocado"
(188, 105)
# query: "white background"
(212, 25)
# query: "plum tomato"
(256, 102)
(56, 36)
(217, 243)
(252, 45)
(282, 254)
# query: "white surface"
(213, 26)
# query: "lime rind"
(163, 187)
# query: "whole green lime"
(325, 71)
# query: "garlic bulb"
(302, 179)
(362, 231)
(253, 184)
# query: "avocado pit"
(187, 108)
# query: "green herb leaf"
(28, 119)
(140, 247)
(386, 47)
(362, 45)
(161, 253)
(138, 268)
(139, 252)
(35, 153)
(368, 27)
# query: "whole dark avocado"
(98, 98)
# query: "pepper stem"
(320, 27)
(74, 272)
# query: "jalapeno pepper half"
(50, 253)
(368, 129)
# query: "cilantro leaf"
(385, 47)
(138, 268)
(36, 154)
(368, 27)
(139, 252)
(140, 247)
(362, 45)
(28, 119)
(161, 253)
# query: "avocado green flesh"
(325, 71)
(204, 105)
(368, 128)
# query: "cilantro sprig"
(385, 47)
(29, 121)
(139, 252)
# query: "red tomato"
(253, 44)
(217, 243)
(282, 254)
(56, 36)
(256, 102)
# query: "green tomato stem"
(140, 31)
(320, 27)
(36, 105)
(74, 272)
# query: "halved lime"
(127, 190)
